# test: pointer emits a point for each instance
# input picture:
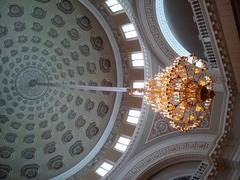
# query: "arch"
(174, 167)
(194, 147)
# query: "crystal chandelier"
(182, 93)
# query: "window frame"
(100, 164)
(110, 10)
(116, 141)
(123, 33)
(131, 123)
(130, 57)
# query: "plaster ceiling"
(46, 130)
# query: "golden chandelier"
(182, 93)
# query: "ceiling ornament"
(15, 10)
(4, 171)
(65, 6)
(84, 22)
(28, 153)
(76, 148)
(5, 152)
(38, 13)
(55, 162)
(30, 171)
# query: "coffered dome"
(46, 130)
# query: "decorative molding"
(28, 153)
(149, 23)
(3, 31)
(74, 35)
(49, 148)
(161, 126)
(80, 122)
(200, 171)
(5, 171)
(84, 23)
(92, 130)
(84, 49)
(203, 29)
(30, 171)
(76, 148)
(55, 163)
(58, 21)
(19, 26)
(38, 13)
(65, 6)
(6, 152)
(102, 109)
(224, 63)
(67, 136)
(97, 43)
(160, 153)
(15, 10)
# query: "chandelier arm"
(181, 79)
(200, 104)
(180, 102)
(194, 71)
(184, 113)
(186, 72)
(200, 76)
(197, 114)
(190, 112)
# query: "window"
(138, 84)
(114, 5)
(122, 144)
(129, 31)
(104, 168)
(166, 30)
(133, 116)
(137, 59)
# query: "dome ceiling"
(46, 130)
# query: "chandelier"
(183, 93)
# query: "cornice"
(147, 13)
(160, 153)
(225, 66)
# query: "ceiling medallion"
(25, 80)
